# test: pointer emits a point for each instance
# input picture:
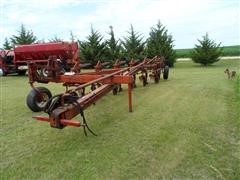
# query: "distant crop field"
(227, 51)
(184, 128)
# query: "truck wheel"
(165, 72)
(2, 72)
(21, 73)
(36, 101)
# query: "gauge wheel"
(37, 99)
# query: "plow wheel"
(157, 76)
(37, 99)
(144, 77)
(120, 88)
(115, 90)
(82, 92)
(156, 79)
(93, 86)
(165, 72)
(134, 81)
(144, 80)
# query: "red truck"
(8, 65)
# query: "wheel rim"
(42, 100)
(45, 72)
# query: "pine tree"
(72, 37)
(207, 52)
(93, 49)
(7, 45)
(133, 45)
(24, 37)
(55, 39)
(113, 47)
(160, 44)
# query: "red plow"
(59, 63)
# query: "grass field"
(183, 128)
(227, 51)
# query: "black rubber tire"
(120, 89)
(93, 86)
(22, 72)
(35, 102)
(3, 73)
(44, 72)
(144, 81)
(115, 91)
(165, 72)
(156, 79)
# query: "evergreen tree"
(133, 45)
(40, 41)
(72, 37)
(160, 44)
(93, 49)
(24, 37)
(113, 47)
(207, 52)
(55, 39)
(7, 45)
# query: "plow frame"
(74, 100)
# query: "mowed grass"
(185, 128)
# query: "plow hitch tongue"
(64, 122)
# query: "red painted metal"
(70, 123)
(89, 79)
(65, 122)
(40, 118)
(6, 62)
(39, 53)
(101, 80)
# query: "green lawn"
(183, 128)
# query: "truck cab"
(7, 64)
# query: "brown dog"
(230, 74)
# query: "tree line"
(95, 48)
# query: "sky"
(186, 20)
